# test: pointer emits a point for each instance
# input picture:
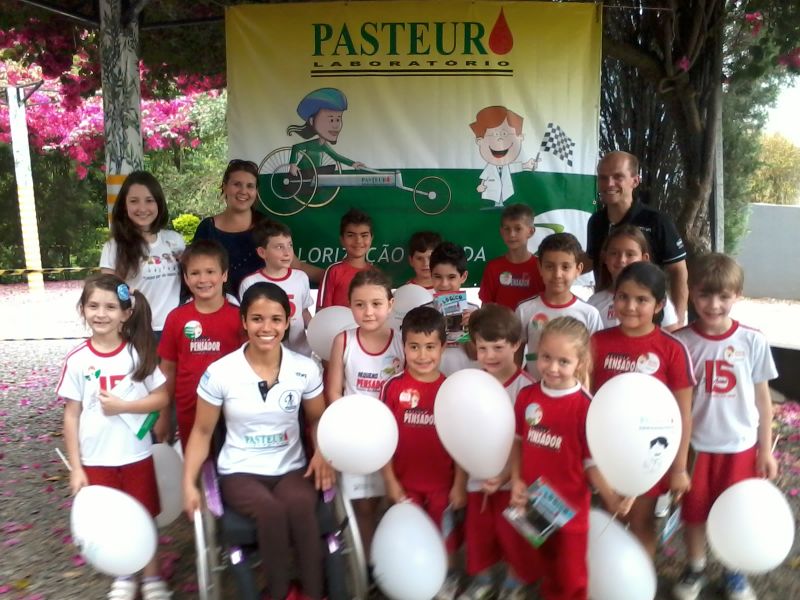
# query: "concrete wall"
(770, 253)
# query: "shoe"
(123, 589)
(515, 593)
(478, 590)
(689, 585)
(156, 590)
(449, 589)
(737, 587)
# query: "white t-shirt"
(603, 301)
(516, 382)
(297, 287)
(263, 431)
(364, 372)
(455, 358)
(159, 277)
(105, 441)
(534, 314)
(727, 367)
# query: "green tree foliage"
(191, 177)
(777, 178)
(669, 71)
(186, 225)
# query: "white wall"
(770, 252)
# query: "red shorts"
(712, 475)
(434, 504)
(136, 479)
(490, 538)
(563, 561)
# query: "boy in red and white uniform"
(490, 539)
(732, 410)
(560, 265)
(421, 470)
(355, 235)
(274, 245)
(515, 276)
(196, 334)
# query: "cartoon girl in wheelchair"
(322, 112)
(309, 174)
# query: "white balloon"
(169, 470)
(750, 526)
(474, 419)
(633, 428)
(408, 554)
(325, 325)
(114, 531)
(619, 566)
(357, 434)
(407, 297)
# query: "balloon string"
(775, 442)
(612, 519)
(63, 459)
(483, 502)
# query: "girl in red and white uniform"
(114, 373)
(639, 345)
(362, 359)
(551, 445)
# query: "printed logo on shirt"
(619, 362)
(533, 414)
(418, 417)
(204, 346)
(732, 354)
(541, 436)
(539, 320)
(647, 363)
(368, 382)
(193, 330)
(91, 373)
(275, 440)
(508, 280)
(409, 398)
(611, 314)
(289, 401)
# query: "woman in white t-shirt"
(264, 471)
(141, 251)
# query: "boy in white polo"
(732, 410)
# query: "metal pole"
(27, 202)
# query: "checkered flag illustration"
(558, 143)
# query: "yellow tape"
(53, 270)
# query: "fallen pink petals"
(78, 561)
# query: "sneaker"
(478, 590)
(123, 588)
(515, 593)
(156, 590)
(689, 585)
(737, 587)
(449, 589)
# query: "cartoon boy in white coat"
(498, 133)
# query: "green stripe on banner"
(312, 205)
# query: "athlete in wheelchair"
(265, 477)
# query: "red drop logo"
(500, 39)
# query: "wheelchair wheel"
(280, 192)
(209, 582)
(432, 195)
(353, 548)
(324, 194)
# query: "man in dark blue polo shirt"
(617, 177)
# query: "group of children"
(716, 368)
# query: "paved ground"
(38, 561)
